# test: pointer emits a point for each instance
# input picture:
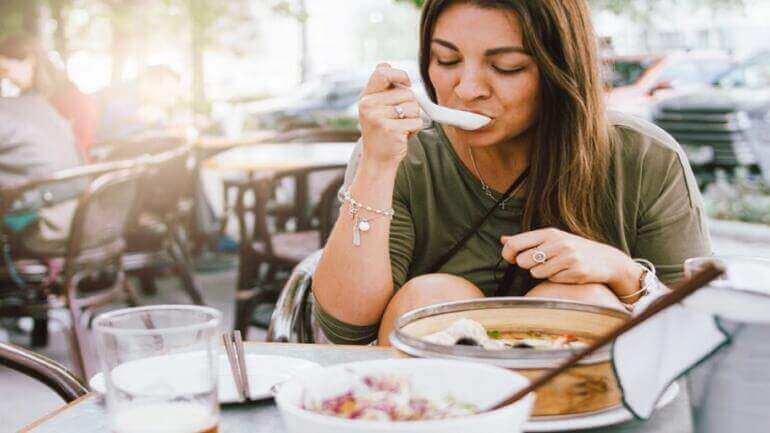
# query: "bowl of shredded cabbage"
(403, 395)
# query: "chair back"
(102, 216)
(314, 196)
(329, 207)
(291, 321)
(251, 211)
(44, 370)
(168, 182)
(169, 175)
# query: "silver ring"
(399, 112)
(539, 256)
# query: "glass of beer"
(160, 365)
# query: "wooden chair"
(268, 250)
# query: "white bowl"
(479, 384)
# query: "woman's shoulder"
(649, 155)
(638, 137)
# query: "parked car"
(636, 83)
(727, 125)
(329, 100)
(325, 93)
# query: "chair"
(44, 370)
(84, 271)
(267, 249)
(156, 237)
(291, 321)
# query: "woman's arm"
(353, 283)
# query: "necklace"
(486, 188)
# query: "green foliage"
(742, 199)
(417, 3)
(291, 8)
(13, 14)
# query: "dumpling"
(465, 329)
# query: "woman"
(25, 63)
(594, 192)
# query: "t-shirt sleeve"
(401, 240)
(672, 222)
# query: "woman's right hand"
(384, 131)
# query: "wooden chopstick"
(678, 292)
(240, 355)
(234, 364)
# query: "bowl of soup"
(527, 335)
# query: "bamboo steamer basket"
(590, 386)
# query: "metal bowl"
(588, 387)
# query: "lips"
(477, 112)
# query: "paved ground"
(23, 400)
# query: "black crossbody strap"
(456, 247)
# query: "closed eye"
(507, 71)
(449, 63)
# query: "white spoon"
(449, 116)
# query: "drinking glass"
(160, 365)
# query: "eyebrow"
(489, 52)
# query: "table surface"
(86, 415)
(277, 156)
(220, 141)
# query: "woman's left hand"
(561, 257)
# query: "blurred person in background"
(138, 108)
(25, 63)
(36, 141)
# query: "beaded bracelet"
(361, 224)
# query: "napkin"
(648, 358)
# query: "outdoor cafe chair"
(157, 234)
(267, 249)
(84, 271)
(292, 319)
(45, 370)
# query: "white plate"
(142, 376)
(593, 420)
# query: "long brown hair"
(568, 186)
(48, 80)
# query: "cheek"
(443, 82)
(521, 97)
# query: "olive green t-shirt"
(658, 212)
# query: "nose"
(472, 85)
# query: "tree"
(19, 16)
(296, 9)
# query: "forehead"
(470, 25)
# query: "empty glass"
(160, 366)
